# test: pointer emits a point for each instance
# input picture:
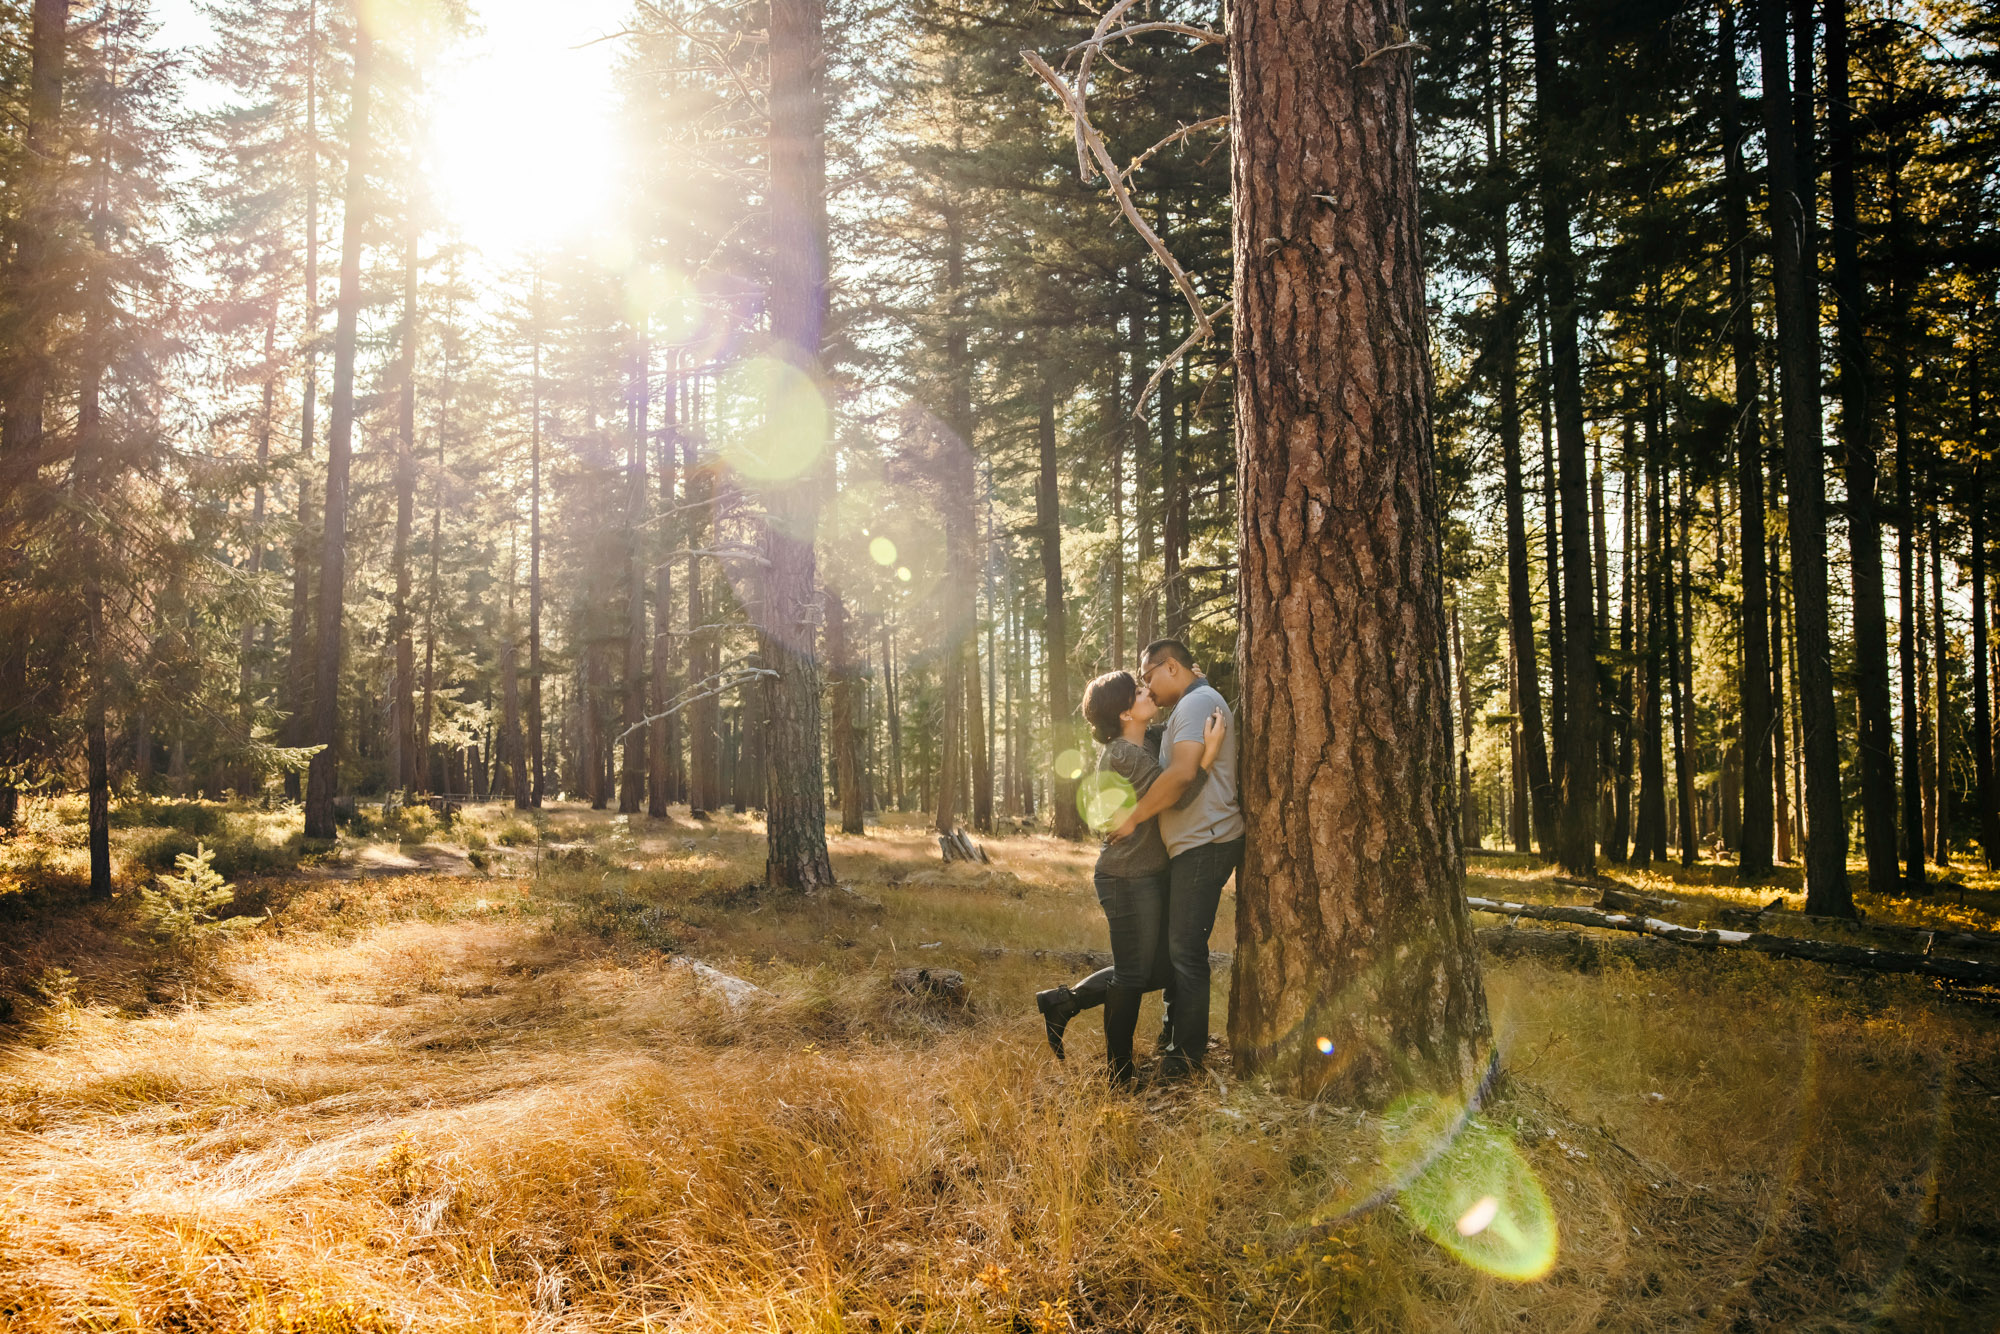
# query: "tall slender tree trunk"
(1650, 841)
(1064, 742)
(1759, 728)
(1941, 784)
(892, 714)
(638, 415)
(1797, 287)
(298, 642)
(705, 791)
(1576, 822)
(1909, 575)
(24, 364)
(1350, 923)
(1468, 809)
(402, 691)
(1506, 354)
(1982, 686)
(663, 738)
(796, 794)
(1617, 846)
(322, 776)
(539, 785)
(846, 741)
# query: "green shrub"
(515, 834)
(200, 818)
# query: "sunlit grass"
(444, 1101)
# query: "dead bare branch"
(1183, 132)
(724, 681)
(1115, 181)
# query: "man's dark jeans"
(1194, 887)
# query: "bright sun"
(522, 142)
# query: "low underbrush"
(435, 1102)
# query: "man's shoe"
(1175, 1065)
(1058, 1006)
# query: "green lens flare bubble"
(903, 573)
(1104, 799)
(1070, 764)
(1480, 1201)
(775, 423)
(883, 551)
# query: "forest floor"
(460, 1079)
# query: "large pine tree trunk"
(1350, 923)
(24, 364)
(1576, 820)
(322, 776)
(1063, 739)
(1797, 289)
(796, 823)
(1754, 848)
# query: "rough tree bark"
(638, 410)
(1797, 287)
(323, 774)
(1351, 926)
(846, 741)
(796, 794)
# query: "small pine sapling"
(184, 911)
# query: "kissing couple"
(1164, 796)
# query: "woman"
(1131, 874)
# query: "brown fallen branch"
(1783, 947)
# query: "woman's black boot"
(1059, 1005)
(1121, 1016)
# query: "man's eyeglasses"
(1146, 674)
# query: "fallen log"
(1922, 940)
(1784, 947)
(1626, 900)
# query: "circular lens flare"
(903, 573)
(1104, 799)
(1069, 764)
(1325, 1046)
(776, 425)
(882, 551)
(1480, 1201)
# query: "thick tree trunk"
(1064, 742)
(322, 776)
(796, 793)
(1576, 821)
(1754, 848)
(1797, 289)
(1351, 928)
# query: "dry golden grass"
(493, 1101)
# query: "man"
(1204, 839)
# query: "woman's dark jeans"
(1135, 908)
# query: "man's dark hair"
(1104, 699)
(1168, 648)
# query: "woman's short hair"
(1104, 699)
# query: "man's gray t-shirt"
(1213, 816)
